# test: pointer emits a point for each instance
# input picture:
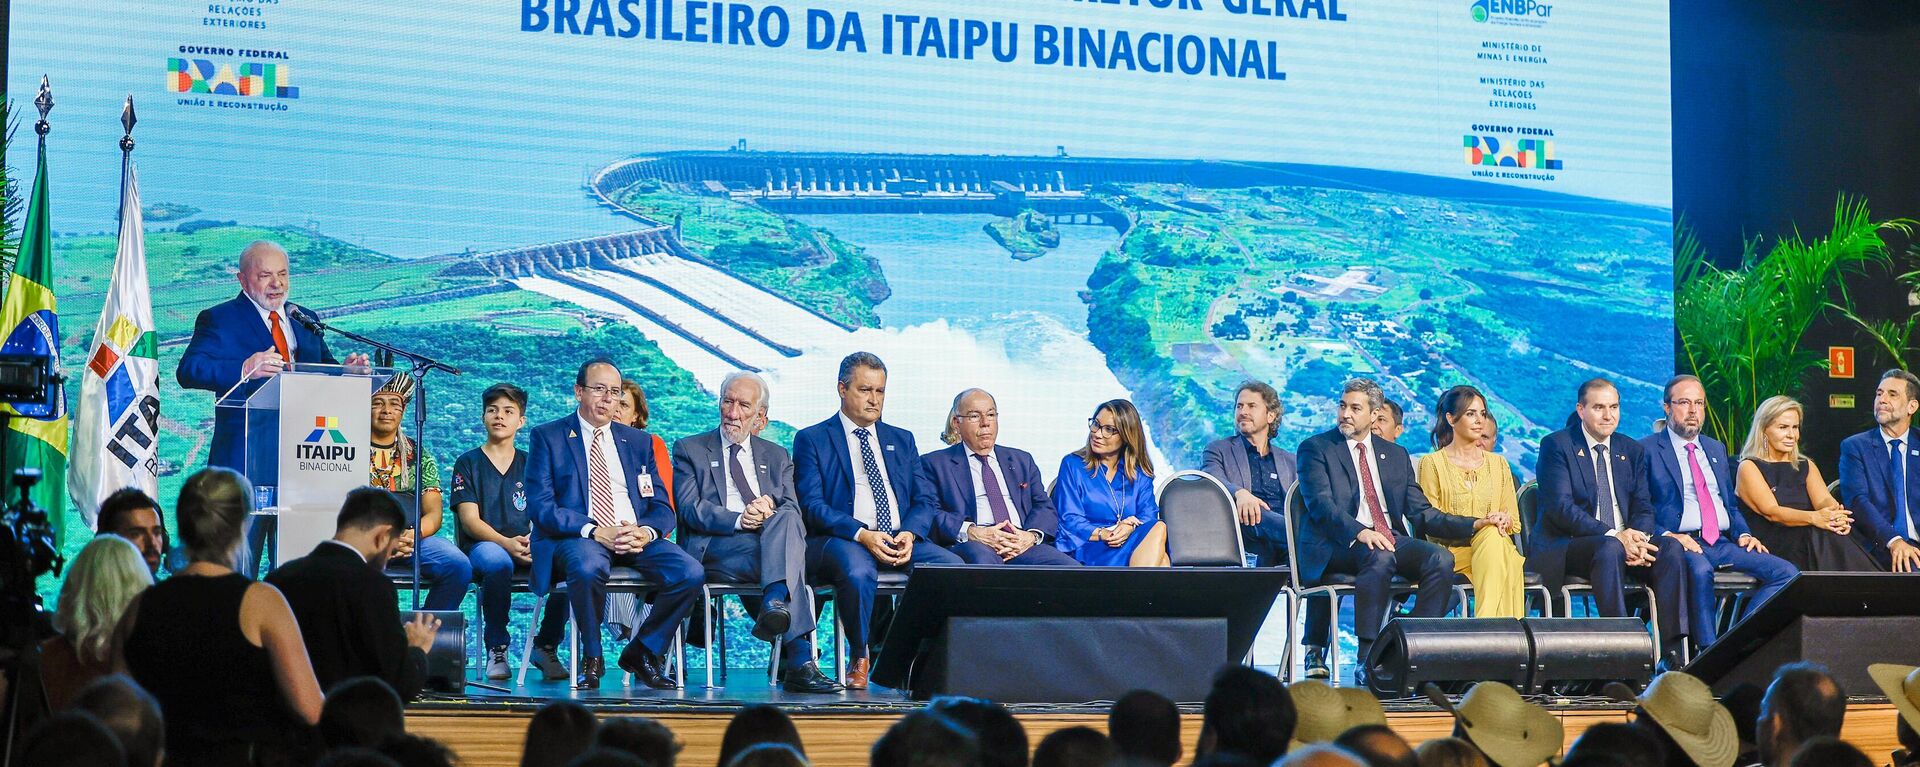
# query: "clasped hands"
(1498, 520)
(1834, 518)
(1116, 536)
(1005, 539)
(894, 550)
(623, 538)
(756, 513)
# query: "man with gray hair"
(739, 517)
(866, 509)
(250, 338)
(1366, 517)
(1256, 472)
(991, 504)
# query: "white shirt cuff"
(586, 530)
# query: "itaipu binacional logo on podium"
(325, 448)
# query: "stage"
(487, 729)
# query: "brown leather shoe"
(857, 673)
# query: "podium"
(306, 444)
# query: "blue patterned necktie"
(1898, 458)
(882, 510)
(1609, 509)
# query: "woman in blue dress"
(1104, 494)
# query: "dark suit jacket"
(1566, 509)
(700, 487)
(557, 488)
(349, 613)
(1331, 489)
(1226, 460)
(823, 475)
(1866, 487)
(1668, 481)
(224, 336)
(948, 473)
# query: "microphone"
(306, 318)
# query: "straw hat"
(1902, 686)
(1684, 707)
(1509, 730)
(1326, 711)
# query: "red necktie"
(1373, 499)
(279, 337)
(599, 485)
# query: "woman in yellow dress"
(1460, 477)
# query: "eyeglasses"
(1094, 425)
(1687, 403)
(601, 391)
(976, 417)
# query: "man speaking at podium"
(249, 338)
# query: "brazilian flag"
(37, 433)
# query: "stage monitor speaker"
(1589, 652)
(1451, 652)
(447, 661)
(1842, 620)
(1072, 634)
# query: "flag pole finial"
(127, 120)
(44, 102)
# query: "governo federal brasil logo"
(1532, 10)
(325, 442)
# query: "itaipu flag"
(37, 435)
(116, 424)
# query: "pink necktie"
(1709, 516)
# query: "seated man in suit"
(740, 519)
(1595, 519)
(991, 503)
(1365, 517)
(1878, 481)
(595, 499)
(1256, 472)
(250, 338)
(349, 613)
(1690, 482)
(866, 509)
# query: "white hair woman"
(103, 580)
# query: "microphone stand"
(419, 365)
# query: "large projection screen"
(1062, 202)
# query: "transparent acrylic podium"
(305, 444)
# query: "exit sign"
(1840, 401)
(1840, 362)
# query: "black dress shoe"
(591, 669)
(773, 621)
(647, 666)
(808, 678)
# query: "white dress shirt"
(1619, 521)
(293, 344)
(1690, 501)
(734, 502)
(982, 508)
(616, 474)
(1365, 515)
(864, 508)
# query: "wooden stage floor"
(487, 729)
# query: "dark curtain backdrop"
(1778, 106)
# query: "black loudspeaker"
(447, 661)
(1594, 651)
(1842, 620)
(1528, 654)
(1451, 652)
(1020, 658)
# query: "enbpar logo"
(1530, 13)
